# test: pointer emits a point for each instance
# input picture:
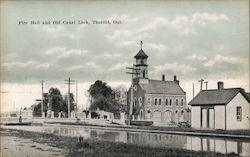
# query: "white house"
(221, 109)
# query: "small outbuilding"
(221, 108)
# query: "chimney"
(175, 80)
(163, 77)
(220, 85)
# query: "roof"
(162, 87)
(141, 54)
(217, 97)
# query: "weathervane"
(141, 44)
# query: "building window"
(166, 101)
(140, 101)
(170, 102)
(239, 113)
(176, 102)
(159, 101)
(148, 101)
(135, 102)
(182, 102)
(155, 101)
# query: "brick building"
(161, 101)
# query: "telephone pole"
(201, 81)
(42, 98)
(76, 94)
(193, 90)
(69, 82)
(134, 72)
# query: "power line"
(134, 72)
(42, 98)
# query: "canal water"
(197, 143)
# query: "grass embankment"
(94, 148)
(181, 129)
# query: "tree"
(54, 101)
(121, 97)
(37, 107)
(103, 97)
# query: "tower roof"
(141, 54)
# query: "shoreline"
(92, 147)
(243, 134)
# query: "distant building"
(221, 109)
(161, 101)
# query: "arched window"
(182, 102)
(176, 102)
(140, 101)
(148, 101)
(135, 101)
(166, 101)
(143, 74)
(170, 102)
(160, 101)
(155, 101)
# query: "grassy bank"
(93, 148)
(216, 131)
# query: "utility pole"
(134, 71)
(42, 98)
(76, 94)
(193, 90)
(206, 84)
(201, 81)
(69, 82)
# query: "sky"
(189, 39)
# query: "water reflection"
(196, 143)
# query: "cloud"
(179, 24)
(173, 68)
(119, 34)
(222, 59)
(184, 25)
(92, 65)
(56, 31)
(204, 18)
(157, 47)
(197, 57)
(43, 65)
(62, 52)
(123, 18)
(15, 64)
(119, 66)
(75, 67)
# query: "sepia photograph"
(124, 78)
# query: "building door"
(211, 118)
(207, 118)
(204, 118)
(148, 115)
(167, 117)
(182, 116)
(156, 116)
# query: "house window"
(159, 101)
(182, 102)
(176, 102)
(166, 101)
(170, 102)
(155, 101)
(239, 113)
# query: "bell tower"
(141, 64)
